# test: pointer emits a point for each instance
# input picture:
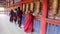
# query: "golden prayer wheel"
(37, 6)
(31, 6)
(55, 6)
(24, 7)
(27, 6)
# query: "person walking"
(19, 15)
(11, 15)
(15, 15)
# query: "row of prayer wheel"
(36, 8)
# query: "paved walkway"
(9, 28)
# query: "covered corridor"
(46, 16)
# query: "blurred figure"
(28, 25)
(15, 15)
(11, 15)
(19, 15)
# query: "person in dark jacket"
(19, 14)
(11, 15)
(15, 15)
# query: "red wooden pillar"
(44, 14)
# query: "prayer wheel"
(55, 6)
(32, 7)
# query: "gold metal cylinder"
(54, 6)
(31, 6)
(27, 6)
(24, 7)
(37, 6)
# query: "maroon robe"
(28, 25)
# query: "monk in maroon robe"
(28, 25)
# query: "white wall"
(1, 10)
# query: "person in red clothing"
(28, 25)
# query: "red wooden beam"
(57, 22)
